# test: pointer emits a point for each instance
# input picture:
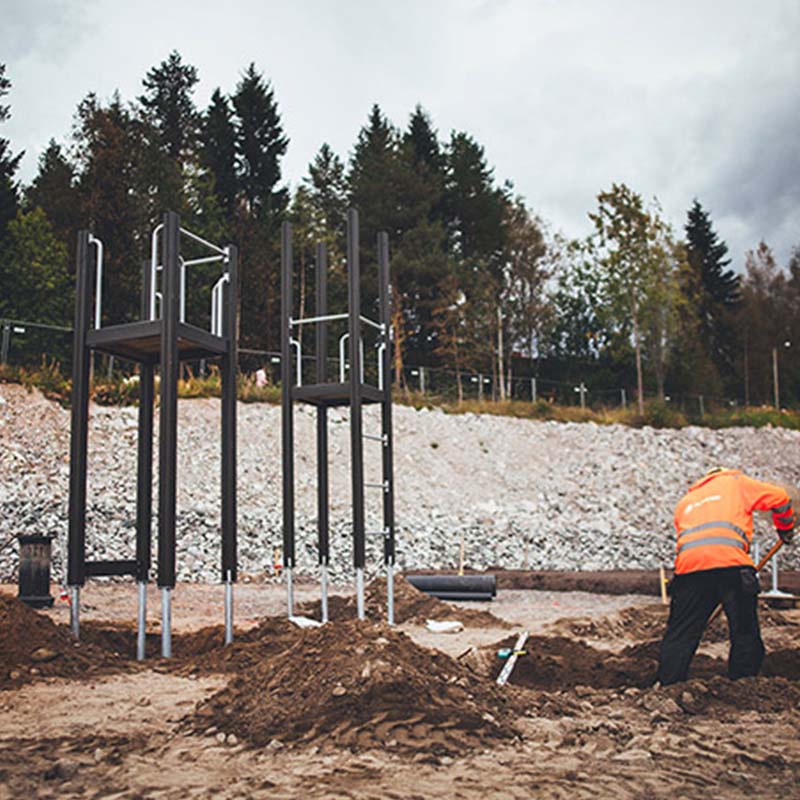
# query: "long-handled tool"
(761, 564)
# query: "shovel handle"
(761, 564)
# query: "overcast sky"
(676, 99)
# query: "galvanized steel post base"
(141, 620)
(228, 611)
(75, 611)
(360, 592)
(166, 622)
(390, 594)
(324, 598)
(289, 592)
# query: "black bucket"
(34, 571)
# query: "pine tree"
(260, 144)
(719, 288)
(9, 191)
(327, 184)
(218, 151)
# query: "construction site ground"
(361, 710)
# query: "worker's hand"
(786, 536)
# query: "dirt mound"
(31, 644)
(200, 651)
(410, 605)
(360, 686)
(650, 621)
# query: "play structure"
(350, 390)
(161, 340)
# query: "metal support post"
(422, 380)
(384, 297)
(287, 427)
(582, 390)
(323, 576)
(390, 594)
(289, 592)
(76, 567)
(702, 407)
(356, 440)
(228, 438)
(323, 533)
(75, 611)
(6, 342)
(533, 390)
(167, 445)
(480, 388)
(623, 398)
(166, 622)
(360, 593)
(141, 620)
(229, 610)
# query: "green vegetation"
(122, 391)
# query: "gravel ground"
(524, 494)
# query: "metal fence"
(29, 344)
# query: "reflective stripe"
(712, 540)
(716, 524)
(782, 509)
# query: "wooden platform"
(141, 341)
(334, 394)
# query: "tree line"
(480, 281)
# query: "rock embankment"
(522, 493)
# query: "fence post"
(480, 387)
(702, 407)
(623, 398)
(583, 394)
(533, 390)
(422, 380)
(6, 340)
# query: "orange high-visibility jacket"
(714, 520)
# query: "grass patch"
(122, 391)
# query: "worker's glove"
(787, 535)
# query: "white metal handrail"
(221, 254)
(299, 348)
(310, 320)
(98, 298)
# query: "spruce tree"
(169, 107)
(260, 144)
(218, 150)
(719, 287)
(9, 191)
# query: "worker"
(714, 522)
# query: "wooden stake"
(662, 580)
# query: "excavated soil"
(410, 605)
(377, 689)
(32, 645)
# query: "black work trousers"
(695, 595)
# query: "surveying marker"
(508, 667)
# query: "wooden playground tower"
(351, 391)
(162, 339)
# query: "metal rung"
(382, 438)
(384, 486)
(384, 532)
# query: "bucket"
(34, 571)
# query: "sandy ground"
(124, 735)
